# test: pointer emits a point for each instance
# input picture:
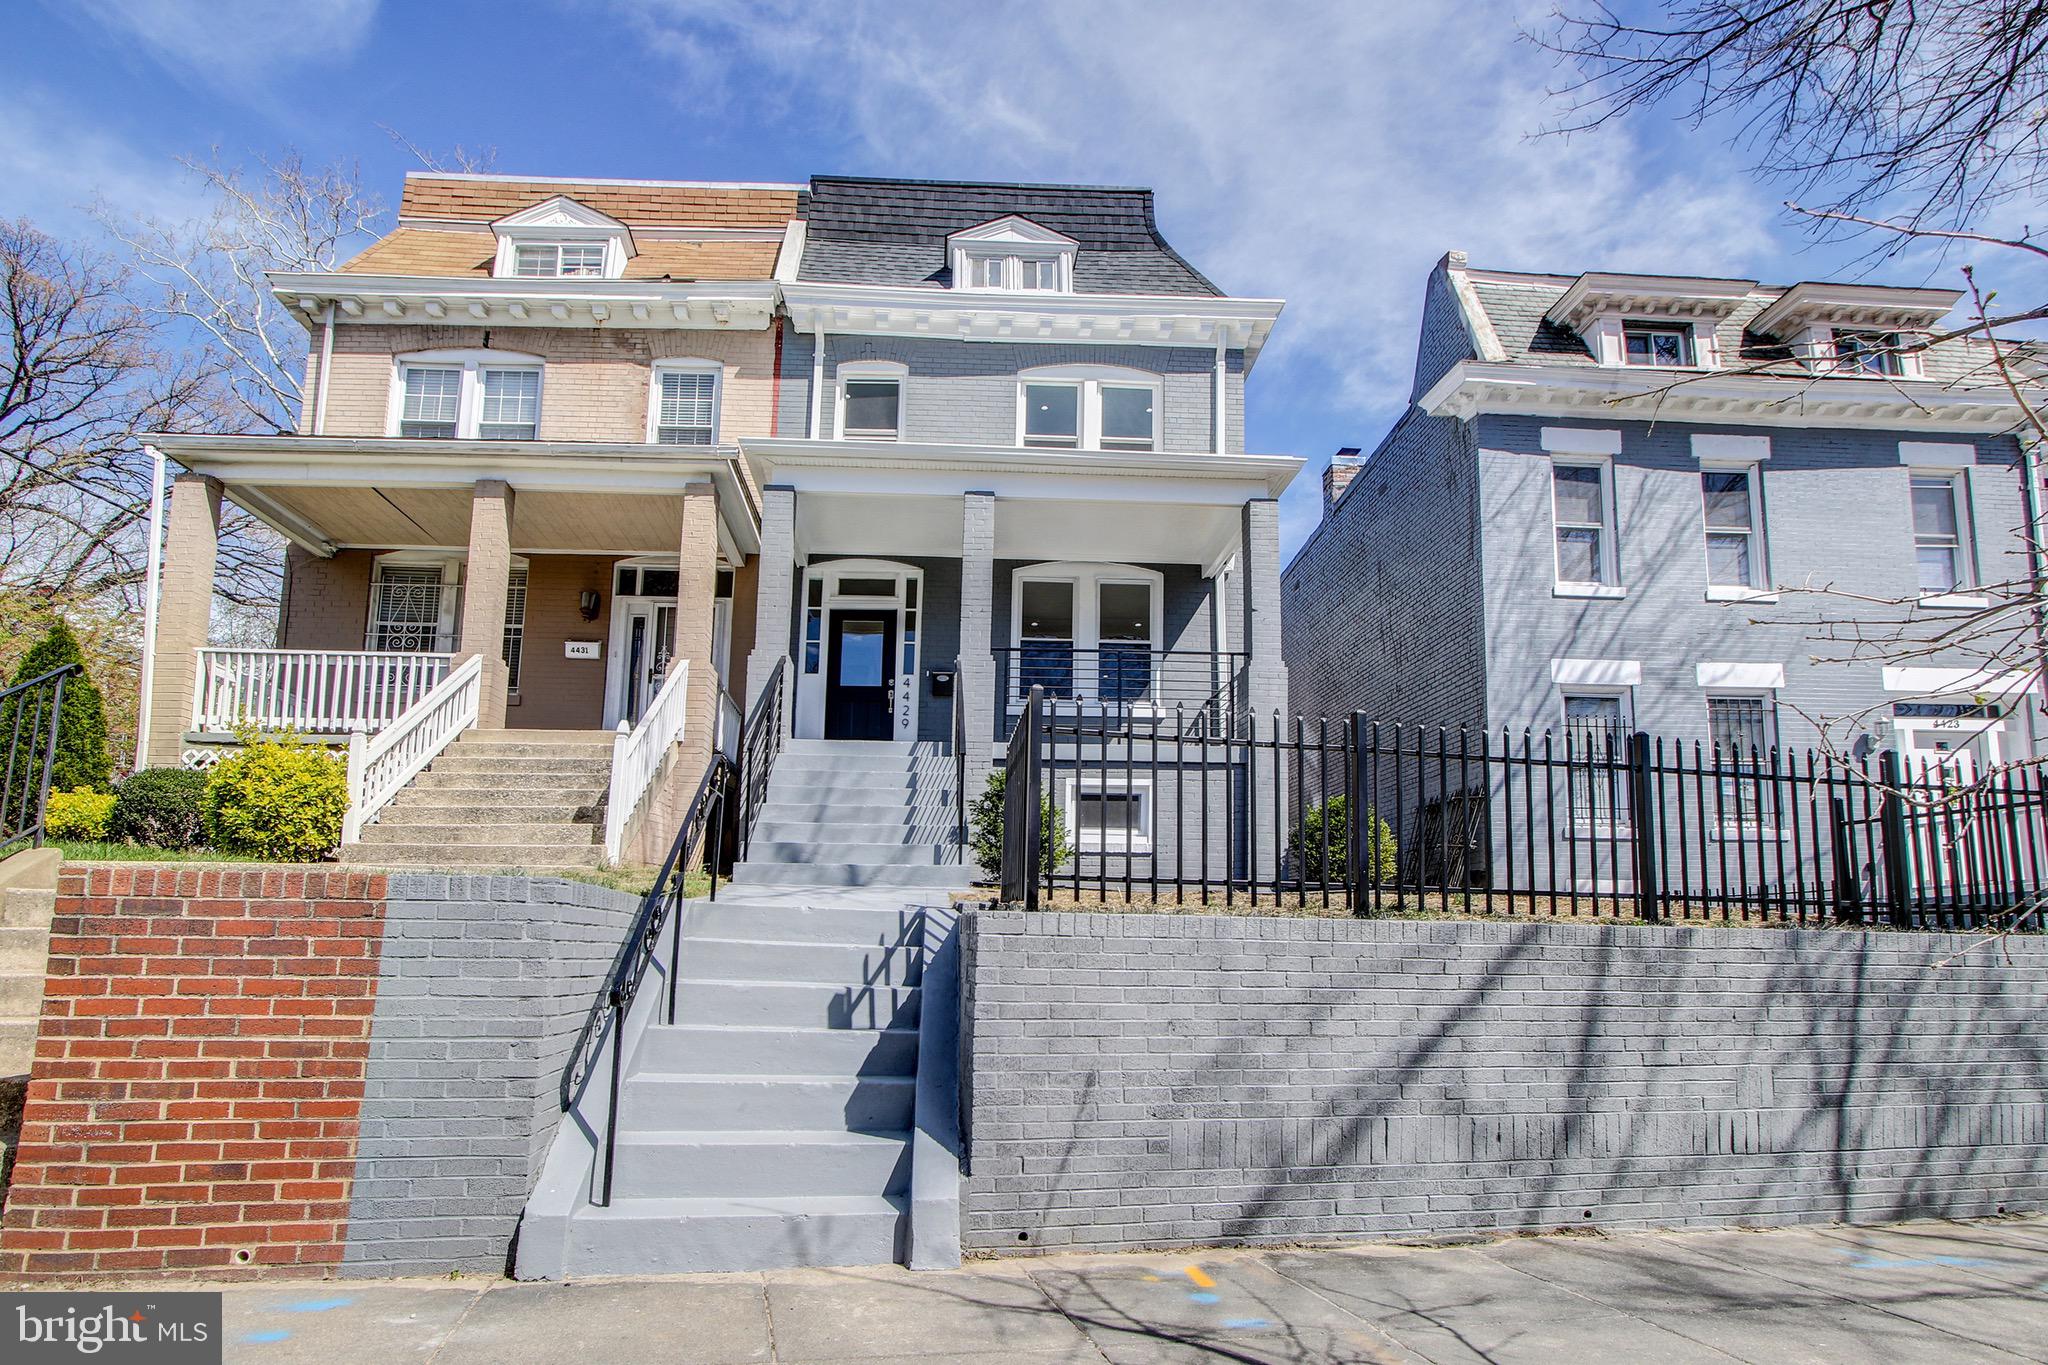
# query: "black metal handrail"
(960, 775)
(760, 745)
(1115, 677)
(1023, 807)
(35, 707)
(629, 968)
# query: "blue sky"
(1325, 153)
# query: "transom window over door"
(686, 406)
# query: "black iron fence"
(29, 716)
(1386, 819)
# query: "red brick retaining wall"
(199, 1072)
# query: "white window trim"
(470, 401)
(1090, 380)
(1617, 824)
(1759, 549)
(1087, 580)
(1910, 362)
(1610, 541)
(1725, 829)
(1138, 789)
(967, 262)
(1961, 598)
(558, 245)
(871, 370)
(1608, 341)
(450, 566)
(685, 365)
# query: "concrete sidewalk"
(1918, 1292)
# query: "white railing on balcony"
(315, 691)
(637, 755)
(380, 765)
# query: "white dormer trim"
(558, 221)
(1019, 243)
(1812, 306)
(1597, 294)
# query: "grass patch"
(635, 881)
(1495, 907)
(104, 851)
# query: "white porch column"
(975, 686)
(1265, 675)
(191, 549)
(486, 586)
(774, 596)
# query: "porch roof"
(944, 467)
(326, 493)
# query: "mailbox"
(942, 681)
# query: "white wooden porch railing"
(730, 723)
(317, 691)
(380, 765)
(637, 754)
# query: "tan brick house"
(518, 446)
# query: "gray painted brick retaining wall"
(1143, 1080)
(483, 984)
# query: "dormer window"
(561, 239)
(1645, 343)
(1012, 254)
(1868, 353)
(552, 260)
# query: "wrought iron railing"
(1123, 683)
(760, 744)
(29, 716)
(959, 776)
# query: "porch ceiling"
(1026, 528)
(626, 522)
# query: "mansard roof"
(894, 232)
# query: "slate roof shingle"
(893, 232)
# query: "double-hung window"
(871, 400)
(1084, 410)
(1938, 534)
(1732, 508)
(467, 395)
(1664, 347)
(1743, 732)
(1087, 632)
(1038, 273)
(557, 260)
(686, 406)
(1583, 516)
(1868, 353)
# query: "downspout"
(149, 588)
(2037, 568)
(1222, 380)
(326, 363)
(775, 385)
(818, 379)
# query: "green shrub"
(78, 814)
(82, 726)
(277, 798)
(985, 830)
(161, 807)
(1306, 843)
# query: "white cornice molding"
(970, 315)
(247, 464)
(1815, 304)
(720, 305)
(770, 455)
(1471, 388)
(1596, 293)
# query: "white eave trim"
(744, 305)
(1470, 388)
(983, 315)
(393, 462)
(767, 455)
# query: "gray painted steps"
(681, 1236)
(809, 922)
(704, 1164)
(794, 1004)
(704, 1102)
(829, 877)
(753, 959)
(815, 851)
(727, 1049)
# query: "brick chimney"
(1344, 467)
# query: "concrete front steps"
(843, 813)
(770, 1125)
(527, 799)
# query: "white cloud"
(56, 165)
(1324, 155)
(244, 46)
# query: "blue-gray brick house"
(1618, 502)
(1010, 451)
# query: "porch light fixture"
(586, 603)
